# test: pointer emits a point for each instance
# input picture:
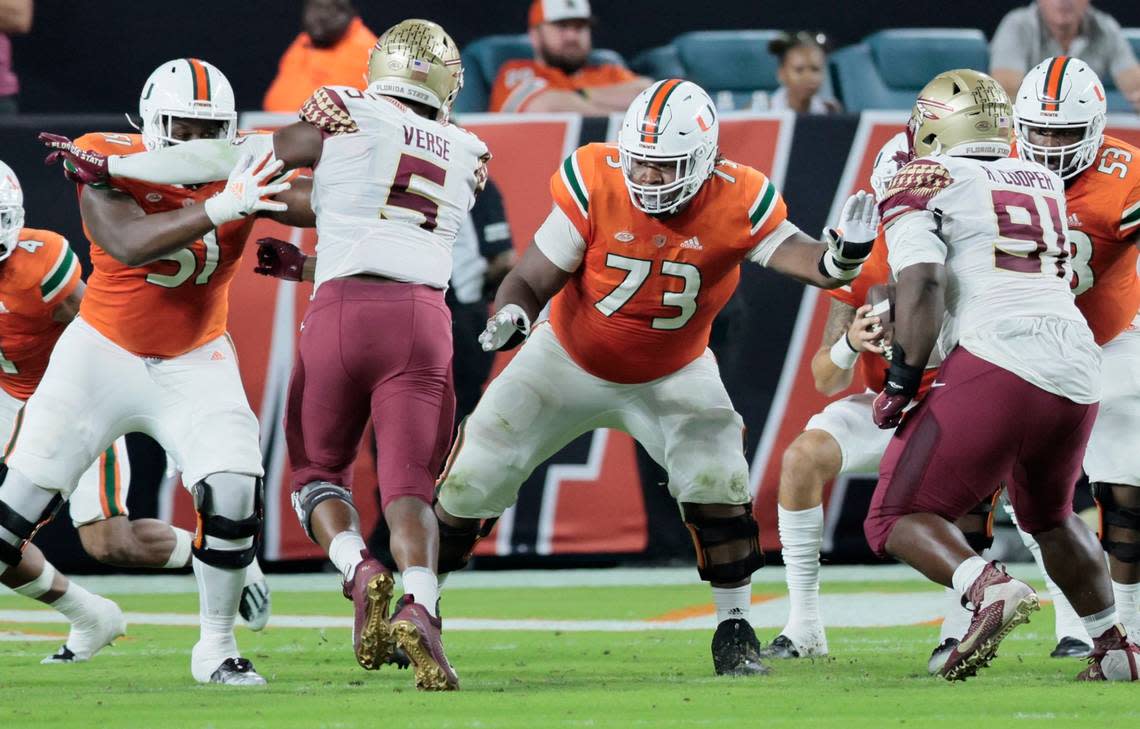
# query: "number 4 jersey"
(41, 272)
(173, 305)
(391, 188)
(645, 290)
(1104, 227)
(998, 226)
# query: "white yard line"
(853, 610)
(614, 577)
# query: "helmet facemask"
(11, 223)
(669, 196)
(160, 129)
(1066, 160)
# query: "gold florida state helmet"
(962, 113)
(417, 60)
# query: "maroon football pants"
(979, 428)
(379, 349)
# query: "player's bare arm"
(299, 208)
(920, 298)
(67, 309)
(848, 333)
(298, 145)
(839, 258)
(522, 295)
(131, 236)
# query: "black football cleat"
(736, 650)
(237, 672)
(1070, 647)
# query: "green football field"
(599, 649)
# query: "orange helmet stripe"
(656, 107)
(1053, 80)
(201, 80)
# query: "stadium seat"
(482, 59)
(658, 63)
(730, 64)
(888, 68)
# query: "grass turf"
(876, 676)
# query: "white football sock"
(964, 576)
(957, 618)
(1097, 624)
(39, 586)
(801, 534)
(421, 583)
(344, 551)
(733, 603)
(180, 555)
(219, 592)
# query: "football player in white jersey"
(980, 238)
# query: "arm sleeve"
(914, 239)
(1009, 47)
(491, 226)
(202, 160)
(62, 272)
(559, 240)
(762, 252)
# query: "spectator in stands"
(482, 256)
(1026, 36)
(559, 78)
(803, 64)
(15, 19)
(332, 50)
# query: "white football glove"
(247, 189)
(847, 251)
(507, 324)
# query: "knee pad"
(24, 508)
(727, 545)
(1116, 521)
(229, 519)
(457, 543)
(312, 494)
(980, 534)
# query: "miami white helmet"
(673, 122)
(11, 211)
(892, 157)
(1061, 93)
(185, 88)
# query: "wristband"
(843, 354)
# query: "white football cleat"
(99, 630)
(231, 670)
(799, 643)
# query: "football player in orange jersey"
(1060, 110)
(642, 249)
(40, 291)
(148, 352)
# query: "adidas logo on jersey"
(694, 243)
(1074, 221)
